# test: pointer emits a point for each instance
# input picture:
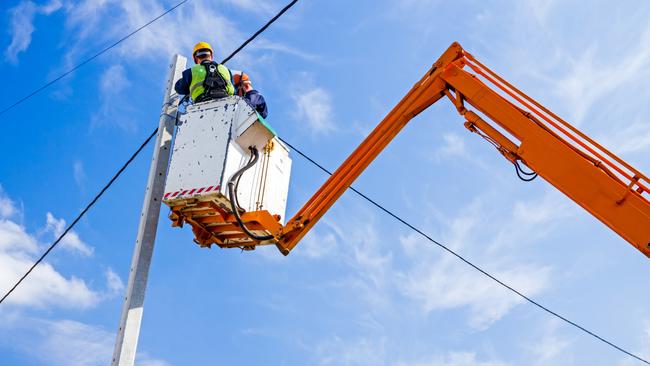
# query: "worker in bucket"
(244, 89)
(207, 80)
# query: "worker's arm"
(257, 101)
(182, 86)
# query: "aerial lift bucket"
(214, 140)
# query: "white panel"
(200, 148)
(277, 187)
(212, 143)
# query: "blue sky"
(361, 289)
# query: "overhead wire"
(373, 202)
(73, 69)
(471, 264)
(121, 170)
(81, 214)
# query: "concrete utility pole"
(129, 331)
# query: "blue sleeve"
(183, 84)
(261, 106)
(256, 100)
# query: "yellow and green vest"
(199, 73)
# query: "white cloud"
(114, 80)
(630, 139)
(177, 31)
(112, 91)
(442, 282)
(64, 342)
(71, 241)
(643, 351)
(265, 44)
(114, 283)
(7, 206)
(73, 343)
(92, 22)
(45, 286)
(436, 281)
(22, 25)
(253, 6)
(532, 220)
(59, 341)
(589, 80)
(444, 285)
(454, 147)
(363, 351)
(541, 8)
(549, 349)
(314, 106)
(79, 173)
(317, 244)
(22, 17)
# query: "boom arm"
(599, 181)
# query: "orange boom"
(596, 179)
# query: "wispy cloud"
(79, 174)
(362, 351)
(7, 206)
(643, 350)
(115, 286)
(589, 81)
(441, 282)
(63, 342)
(551, 348)
(446, 284)
(540, 8)
(318, 244)
(314, 106)
(633, 138)
(22, 25)
(53, 341)
(253, 6)
(454, 147)
(113, 110)
(178, 31)
(46, 286)
(71, 241)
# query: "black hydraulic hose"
(232, 192)
(237, 184)
(527, 176)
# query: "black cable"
(524, 175)
(132, 157)
(46, 85)
(522, 170)
(466, 261)
(249, 40)
(82, 213)
(232, 193)
(250, 161)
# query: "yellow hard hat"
(202, 46)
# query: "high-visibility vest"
(199, 73)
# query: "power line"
(249, 40)
(135, 154)
(81, 214)
(49, 83)
(468, 262)
(132, 156)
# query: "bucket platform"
(211, 144)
